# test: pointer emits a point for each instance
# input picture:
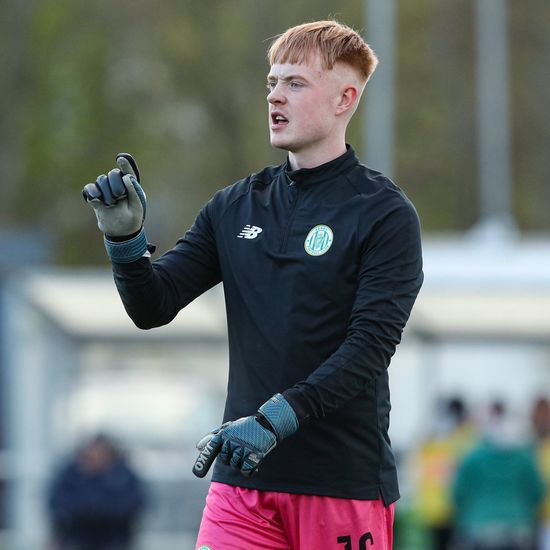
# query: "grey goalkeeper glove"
(244, 443)
(120, 204)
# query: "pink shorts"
(246, 519)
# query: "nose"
(276, 95)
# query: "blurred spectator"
(453, 435)
(540, 418)
(95, 500)
(498, 488)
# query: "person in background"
(540, 419)
(498, 488)
(95, 500)
(435, 465)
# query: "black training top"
(320, 269)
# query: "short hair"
(334, 41)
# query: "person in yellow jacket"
(540, 417)
(436, 463)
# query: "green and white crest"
(204, 548)
(318, 240)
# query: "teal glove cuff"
(280, 415)
(127, 251)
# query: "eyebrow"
(271, 77)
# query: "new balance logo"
(249, 232)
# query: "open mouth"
(278, 119)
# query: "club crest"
(318, 240)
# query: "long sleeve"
(389, 280)
(153, 293)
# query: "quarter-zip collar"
(323, 172)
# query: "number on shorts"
(363, 539)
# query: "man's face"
(302, 105)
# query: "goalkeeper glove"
(245, 442)
(119, 204)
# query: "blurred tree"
(436, 149)
(530, 96)
(181, 86)
(15, 62)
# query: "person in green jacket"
(498, 489)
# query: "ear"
(347, 99)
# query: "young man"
(320, 259)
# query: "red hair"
(334, 41)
